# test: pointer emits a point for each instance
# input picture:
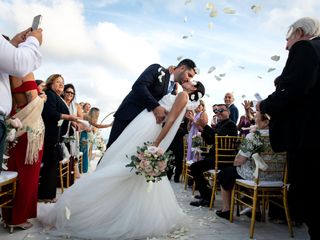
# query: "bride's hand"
(155, 143)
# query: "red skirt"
(25, 202)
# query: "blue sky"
(101, 46)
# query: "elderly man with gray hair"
(295, 117)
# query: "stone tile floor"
(205, 225)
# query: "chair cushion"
(212, 171)
(7, 175)
(261, 183)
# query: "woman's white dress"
(113, 202)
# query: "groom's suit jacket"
(147, 90)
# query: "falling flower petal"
(67, 213)
(209, 6)
(185, 19)
(259, 76)
(179, 58)
(213, 13)
(228, 10)
(271, 69)
(222, 74)
(211, 69)
(275, 58)
(187, 2)
(256, 8)
(210, 25)
(217, 78)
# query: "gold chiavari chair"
(64, 173)
(226, 148)
(266, 187)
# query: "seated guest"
(224, 127)
(243, 166)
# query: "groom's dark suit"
(148, 89)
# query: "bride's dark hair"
(197, 94)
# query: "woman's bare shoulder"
(183, 94)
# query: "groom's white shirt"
(171, 84)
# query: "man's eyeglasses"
(72, 93)
(219, 111)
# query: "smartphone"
(258, 97)
(36, 22)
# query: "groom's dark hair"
(188, 63)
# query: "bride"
(113, 202)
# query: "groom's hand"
(160, 114)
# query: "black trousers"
(177, 149)
(48, 172)
(303, 178)
(197, 170)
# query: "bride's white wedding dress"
(113, 202)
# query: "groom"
(149, 88)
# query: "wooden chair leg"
(68, 174)
(286, 209)
(253, 213)
(61, 177)
(193, 187)
(213, 191)
(232, 203)
(186, 178)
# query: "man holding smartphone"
(18, 57)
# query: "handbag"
(58, 148)
(58, 151)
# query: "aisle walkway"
(206, 226)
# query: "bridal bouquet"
(150, 162)
(255, 146)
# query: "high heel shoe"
(23, 226)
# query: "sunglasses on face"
(68, 92)
(219, 111)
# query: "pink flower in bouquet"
(152, 149)
(148, 169)
(160, 151)
(162, 165)
(150, 162)
(144, 163)
(141, 156)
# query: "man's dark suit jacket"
(148, 89)
(294, 106)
